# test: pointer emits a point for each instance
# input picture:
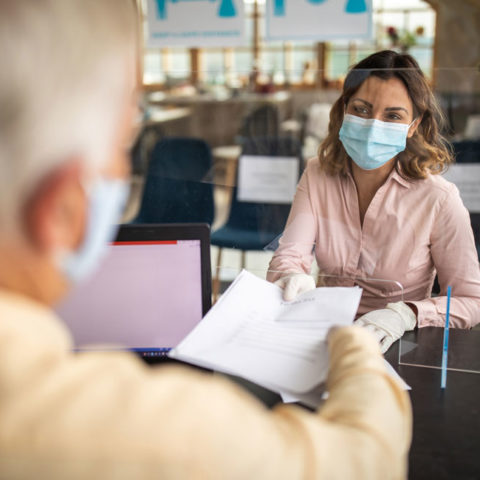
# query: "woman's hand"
(294, 284)
(389, 324)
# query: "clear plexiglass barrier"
(283, 177)
(425, 348)
(371, 287)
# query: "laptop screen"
(146, 294)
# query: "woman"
(373, 206)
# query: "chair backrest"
(274, 146)
(475, 221)
(141, 150)
(177, 188)
(262, 122)
(467, 151)
(268, 219)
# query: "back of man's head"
(62, 79)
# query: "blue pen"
(445, 340)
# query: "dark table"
(446, 424)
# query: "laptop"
(149, 292)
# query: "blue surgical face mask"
(107, 199)
(371, 143)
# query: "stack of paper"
(252, 333)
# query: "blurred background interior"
(206, 109)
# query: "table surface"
(156, 115)
(446, 424)
(229, 152)
(166, 98)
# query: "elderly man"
(67, 101)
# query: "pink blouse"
(411, 230)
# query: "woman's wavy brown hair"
(427, 151)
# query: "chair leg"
(216, 277)
(244, 258)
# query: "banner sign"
(195, 23)
(319, 20)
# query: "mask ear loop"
(411, 123)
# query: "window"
(406, 25)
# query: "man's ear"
(56, 212)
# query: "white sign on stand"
(195, 23)
(267, 179)
(319, 20)
(466, 177)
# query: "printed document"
(315, 397)
(253, 333)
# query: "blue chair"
(177, 189)
(253, 226)
(467, 151)
(475, 221)
(141, 150)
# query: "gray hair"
(63, 81)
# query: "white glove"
(389, 324)
(294, 284)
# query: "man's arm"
(108, 414)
